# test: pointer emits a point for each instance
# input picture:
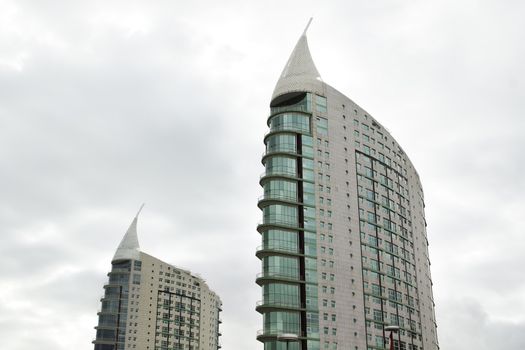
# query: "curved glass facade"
(279, 322)
(288, 279)
(281, 189)
(281, 165)
(283, 240)
(281, 266)
(280, 214)
(281, 294)
(290, 121)
(281, 143)
(113, 315)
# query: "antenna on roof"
(308, 25)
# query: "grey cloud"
(31, 259)
(480, 331)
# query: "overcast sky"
(108, 104)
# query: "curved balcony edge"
(263, 336)
(261, 278)
(262, 252)
(262, 307)
(267, 225)
(282, 153)
(264, 202)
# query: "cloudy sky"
(108, 104)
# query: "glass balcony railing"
(273, 151)
(274, 274)
(297, 127)
(287, 150)
(276, 330)
(294, 108)
(120, 270)
(290, 221)
(280, 248)
(285, 171)
(290, 196)
(293, 226)
(279, 304)
(107, 324)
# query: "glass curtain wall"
(111, 329)
(288, 252)
(391, 294)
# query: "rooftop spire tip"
(140, 209)
(308, 25)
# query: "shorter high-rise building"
(150, 304)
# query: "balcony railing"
(296, 108)
(120, 270)
(274, 333)
(283, 195)
(277, 248)
(279, 304)
(285, 171)
(277, 275)
(289, 127)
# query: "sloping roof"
(129, 246)
(299, 73)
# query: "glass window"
(280, 240)
(322, 126)
(282, 322)
(280, 214)
(281, 294)
(307, 147)
(281, 266)
(290, 121)
(320, 103)
(281, 143)
(310, 243)
(281, 165)
(281, 189)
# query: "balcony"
(267, 249)
(278, 196)
(294, 108)
(263, 306)
(274, 276)
(263, 335)
(283, 150)
(286, 172)
(120, 270)
(261, 226)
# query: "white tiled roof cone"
(300, 72)
(129, 246)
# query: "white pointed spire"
(300, 73)
(308, 26)
(129, 246)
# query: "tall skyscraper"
(344, 243)
(150, 304)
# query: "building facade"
(344, 244)
(150, 304)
